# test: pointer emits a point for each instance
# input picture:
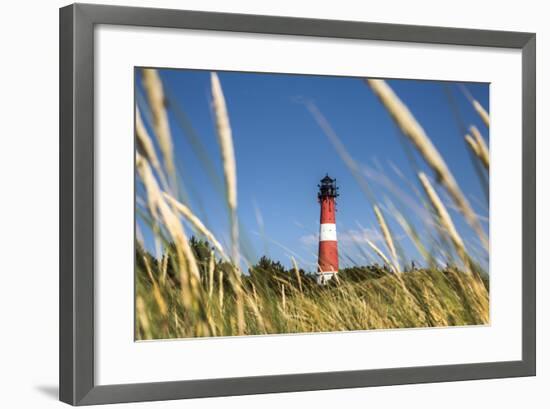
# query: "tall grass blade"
(414, 131)
(155, 94)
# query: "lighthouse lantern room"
(328, 244)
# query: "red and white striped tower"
(328, 244)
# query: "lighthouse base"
(324, 276)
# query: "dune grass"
(424, 298)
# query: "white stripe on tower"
(328, 232)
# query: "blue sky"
(282, 153)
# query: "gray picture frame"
(76, 330)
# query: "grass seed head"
(482, 149)
(155, 94)
(416, 134)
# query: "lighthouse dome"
(328, 188)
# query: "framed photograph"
(257, 204)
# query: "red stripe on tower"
(328, 244)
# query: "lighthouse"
(328, 244)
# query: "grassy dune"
(420, 298)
